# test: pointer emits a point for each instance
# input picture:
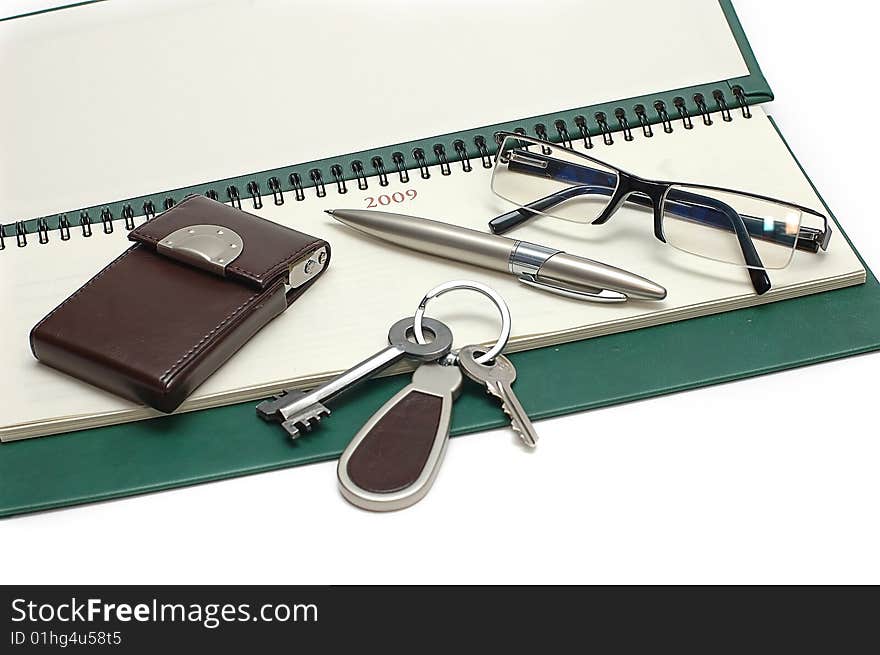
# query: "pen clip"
(600, 295)
(526, 259)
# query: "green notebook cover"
(176, 450)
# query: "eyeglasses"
(734, 227)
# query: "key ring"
(468, 285)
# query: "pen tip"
(329, 211)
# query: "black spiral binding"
(564, 133)
(64, 227)
(275, 189)
(318, 180)
(642, 115)
(722, 105)
(128, 216)
(232, 195)
(620, 115)
(253, 189)
(85, 223)
(379, 167)
(700, 101)
(357, 167)
(296, 182)
(336, 172)
(541, 132)
(485, 157)
(683, 114)
(422, 163)
(42, 230)
(581, 124)
(660, 107)
(440, 154)
(400, 163)
(107, 220)
(602, 122)
(461, 151)
(20, 234)
(740, 96)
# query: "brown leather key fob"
(393, 459)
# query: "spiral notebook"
(284, 111)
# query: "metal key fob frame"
(393, 459)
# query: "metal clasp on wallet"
(307, 267)
(209, 247)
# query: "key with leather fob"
(299, 411)
(392, 461)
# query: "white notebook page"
(120, 99)
(346, 315)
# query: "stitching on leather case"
(176, 365)
(86, 286)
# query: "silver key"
(393, 459)
(498, 378)
(300, 411)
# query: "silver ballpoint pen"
(539, 266)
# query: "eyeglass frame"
(654, 193)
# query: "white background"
(768, 480)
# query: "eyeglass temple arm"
(684, 210)
(760, 278)
(504, 222)
(808, 239)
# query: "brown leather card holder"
(200, 280)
